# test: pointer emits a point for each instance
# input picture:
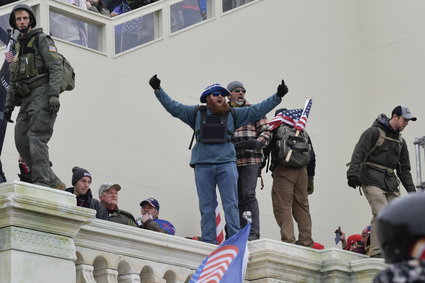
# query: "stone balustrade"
(45, 237)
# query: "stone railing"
(45, 237)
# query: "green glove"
(54, 105)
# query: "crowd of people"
(232, 136)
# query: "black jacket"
(88, 201)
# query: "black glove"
(310, 186)
(353, 181)
(8, 114)
(155, 83)
(282, 89)
(248, 144)
(54, 105)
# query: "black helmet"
(12, 21)
(399, 225)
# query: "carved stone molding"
(15, 238)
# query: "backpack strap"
(382, 137)
(203, 110)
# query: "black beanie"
(78, 173)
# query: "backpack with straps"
(68, 74)
(285, 140)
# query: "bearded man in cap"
(249, 142)
(81, 181)
(213, 156)
(35, 79)
(108, 195)
(380, 153)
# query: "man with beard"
(380, 153)
(249, 142)
(213, 156)
(35, 79)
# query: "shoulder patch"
(52, 48)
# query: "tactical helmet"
(399, 225)
(12, 21)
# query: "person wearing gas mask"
(35, 78)
(213, 156)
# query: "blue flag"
(227, 263)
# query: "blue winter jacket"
(213, 153)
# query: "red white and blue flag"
(302, 122)
(227, 263)
(219, 230)
(293, 117)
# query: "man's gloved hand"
(353, 181)
(310, 186)
(155, 83)
(248, 144)
(282, 89)
(54, 105)
(8, 113)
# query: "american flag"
(302, 122)
(289, 117)
(227, 263)
(219, 226)
(8, 54)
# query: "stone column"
(37, 230)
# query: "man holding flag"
(293, 163)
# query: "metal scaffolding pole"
(419, 142)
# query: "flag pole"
(297, 133)
(288, 156)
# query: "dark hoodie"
(88, 201)
(392, 154)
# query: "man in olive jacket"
(380, 153)
(35, 79)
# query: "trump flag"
(227, 263)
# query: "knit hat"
(353, 239)
(211, 89)
(78, 173)
(151, 201)
(235, 84)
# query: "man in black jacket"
(81, 181)
(380, 153)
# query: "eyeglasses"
(239, 90)
(217, 94)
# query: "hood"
(383, 122)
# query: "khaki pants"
(290, 199)
(377, 199)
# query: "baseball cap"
(106, 186)
(404, 112)
(152, 202)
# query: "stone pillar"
(37, 230)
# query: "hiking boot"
(253, 237)
(61, 186)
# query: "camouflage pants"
(33, 130)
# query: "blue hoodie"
(213, 153)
